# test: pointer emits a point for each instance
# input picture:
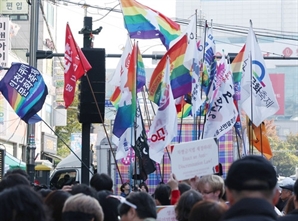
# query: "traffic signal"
(88, 112)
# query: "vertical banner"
(278, 84)
(2, 115)
(4, 41)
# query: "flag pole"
(195, 123)
(204, 47)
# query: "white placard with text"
(195, 158)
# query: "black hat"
(287, 183)
(251, 168)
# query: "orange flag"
(258, 138)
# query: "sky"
(113, 35)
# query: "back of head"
(183, 187)
(207, 210)
(17, 171)
(81, 207)
(13, 180)
(185, 203)
(146, 207)
(251, 173)
(83, 188)
(162, 194)
(109, 205)
(55, 202)
(21, 203)
(101, 181)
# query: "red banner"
(76, 65)
(278, 84)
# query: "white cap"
(287, 183)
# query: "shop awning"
(51, 155)
(13, 162)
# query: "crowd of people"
(249, 192)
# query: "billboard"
(278, 84)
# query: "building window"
(50, 14)
(48, 117)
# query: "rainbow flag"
(185, 109)
(141, 79)
(126, 112)
(24, 88)
(180, 76)
(141, 74)
(237, 72)
(143, 22)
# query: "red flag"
(76, 65)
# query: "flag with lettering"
(222, 114)
(192, 61)
(257, 96)
(164, 126)
(75, 66)
(25, 90)
(126, 112)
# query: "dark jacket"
(293, 215)
(251, 209)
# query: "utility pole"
(86, 127)
(34, 17)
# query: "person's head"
(55, 202)
(125, 188)
(286, 188)
(162, 194)
(210, 210)
(21, 203)
(109, 205)
(211, 187)
(185, 203)
(81, 207)
(13, 180)
(17, 171)
(183, 187)
(252, 177)
(145, 207)
(143, 187)
(101, 181)
(83, 188)
(295, 189)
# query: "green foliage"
(285, 155)
(64, 132)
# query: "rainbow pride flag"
(143, 22)
(141, 79)
(127, 106)
(237, 72)
(141, 74)
(185, 109)
(180, 76)
(25, 90)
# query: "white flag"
(257, 96)
(122, 67)
(192, 61)
(164, 126)
(223, 112)
(123, 144)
